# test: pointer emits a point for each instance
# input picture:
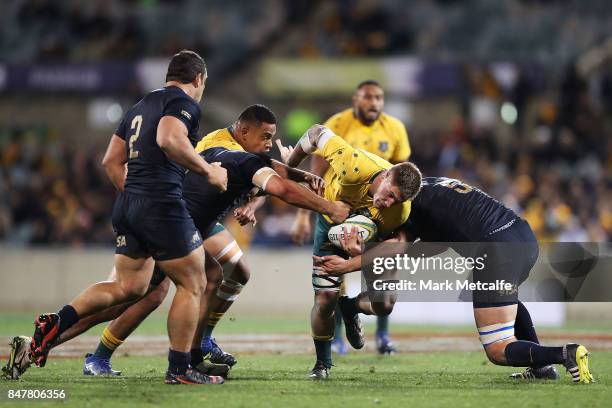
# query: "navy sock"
(324, 354)
(208, 331)
(196, 356)
(68, 317)
(382, 325)
(523, 325)
(178, 361)
(523, 353)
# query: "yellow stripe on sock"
(322, 338)
(213, 318)
(109, 339)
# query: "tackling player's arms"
(315, 182)
(298, 195)
(336, 266)
(114, 162)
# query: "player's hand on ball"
(340, 212)
(301, 230)
(351, 241)
(285, 151)
(332, 265)
(217, 176)
(245, 214)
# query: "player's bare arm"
(315, 182)
(300, 196)
(172, 138)
(302, 228)
(114, 162)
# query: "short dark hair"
(407, 177)
(368, 82)
(257, 114)
(185, 66)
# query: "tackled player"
(373, 187)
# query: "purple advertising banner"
(100, 78)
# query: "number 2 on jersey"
(136, 123)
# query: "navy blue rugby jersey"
(150, 171)
(448, 210)
(204, 201)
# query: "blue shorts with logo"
(159, 275)
(145, 227)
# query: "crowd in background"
(468, 29)
(83, 30)
(52, 192)
(556, 171)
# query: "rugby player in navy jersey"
(447, 210)
(155, 140)
(239, 149)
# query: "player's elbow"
(383, 308)
(278, 187)
(109, 162)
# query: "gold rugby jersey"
(386, 137)
(349, 179)
(218, 138)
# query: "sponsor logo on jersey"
(383, 146)
(121, 241)
(196, 237)
(186, 114)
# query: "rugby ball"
(366, 228)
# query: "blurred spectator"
(57, 194)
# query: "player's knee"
(241, 273)
(133, 290)
(229, 290)
(194, 277)
(382, 308)
(194, 283)
(326, 301)
(495, 353)
(214, 277)
(494, 338)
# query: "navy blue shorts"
(511, 254)
(159, 275)
(148, 227)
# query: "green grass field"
(359, 380)
(22, 323)
(450, 378)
